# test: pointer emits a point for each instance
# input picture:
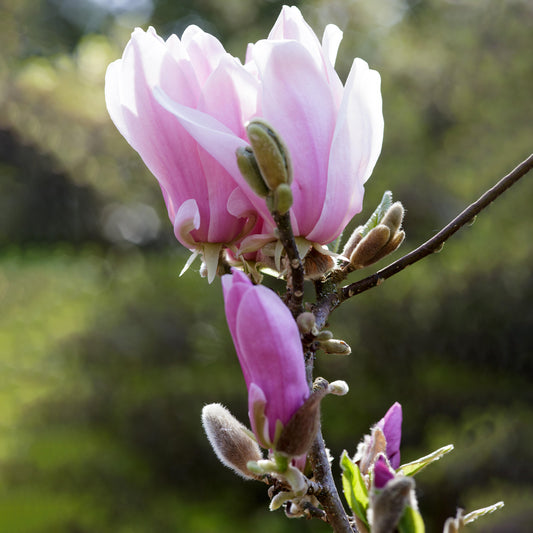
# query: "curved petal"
(355, 148)
(187, 220)
(300, 106)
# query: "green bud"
(282, 198)
(271, 154)
(250, 171)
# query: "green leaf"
(411, 522)
(378, 214)
(474, 515)
(354, 487)
(412, 468)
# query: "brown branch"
(328, 497)
(295, 278)
(436, 242)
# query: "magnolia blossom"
(268, 345)
(197, 73)
(334, 133)
(183, 104)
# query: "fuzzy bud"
(232, 441)
(338, 388)
(299, 432)
(271, 154)
(370, 246)
(250, 171)
(388, 504)
(336, 347)
(393, 217)
(306, 322)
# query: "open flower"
(334, 133)
(197, 73)
(268, 345)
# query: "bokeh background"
(107, 356)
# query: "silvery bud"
(232, 442)
(335, 347)
(389, 504)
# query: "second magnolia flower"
(183, 105)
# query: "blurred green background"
(107, 356)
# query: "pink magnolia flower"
(334, 133)
(391, 425)
(202, 198)
(268, 345)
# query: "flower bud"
(388, 504)
(306, 322)
(393, 217)
(282, 198)
(336, 347)
(232, 441)
(300, 431)
(338, 388)
(250, 171)
(369, 247)
(271, 153)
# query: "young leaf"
(474, 515)
(378, 214)
(354, 487)
(411, 522)
(412, 468)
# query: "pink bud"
(391, 426)
(268, 345)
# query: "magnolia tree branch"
(436, 242)
(328, 497)
(295, 278)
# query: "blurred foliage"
(107, 356)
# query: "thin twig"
(438, 240)
(295, 287)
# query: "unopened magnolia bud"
(282, 198)
(389, 503)
(392, 245)
(271, 154)
(250, 171)
(232, 441)
(353, 241)
(338, 388)
(306, 322)
(336, 347)
(299, 432)
(366, 250)
(393, 217)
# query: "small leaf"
(411, 522)
(378, 214)
(354, 487)
(412, 468)
(474, 515)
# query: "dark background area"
(107, 356)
